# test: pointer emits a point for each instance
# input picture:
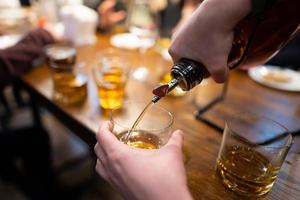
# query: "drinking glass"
(251, 154)
(111, 75)
(142, 23)
(69, 86)
(153, 131)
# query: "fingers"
(101, 170)
(101, 162)
(176, 139)
(216, 66)
(99, 153)
(173, 51)
(219, 73)
(106, 139)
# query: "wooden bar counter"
(202, 142)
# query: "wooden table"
(201, 140)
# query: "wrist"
(170, 193)
(230, 11)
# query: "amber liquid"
(69, 88)
(258, 40)
(140, 139)
(246, 171)
(111, 88)
(137, 121)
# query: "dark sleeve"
(17, 59)
(260, 6)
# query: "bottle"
(256, 40)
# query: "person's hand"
(207, 36)
(139, 173)
(108, 17)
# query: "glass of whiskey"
(111, 74)
(252, 152)
(69, 86)
(153, 130)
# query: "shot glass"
(252, 152)
(69, 86)
(111, 75)
(152, 132)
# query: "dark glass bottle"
(256, 40)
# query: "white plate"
(125, 41)
(276, 77)
(9, 40)
(131, 41)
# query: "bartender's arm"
(208, 35)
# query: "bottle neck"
(188, 73)
(163, 90)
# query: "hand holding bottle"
(208, 35)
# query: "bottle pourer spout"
(163, 90)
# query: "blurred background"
(41, 157)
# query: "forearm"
(229, 12)
(173, 187)
(173, 193)
(181, 193)
(17, 59)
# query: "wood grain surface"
(201, 141)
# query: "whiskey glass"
(111, 74)
(153, 131)
(69, 85)
(252, 152)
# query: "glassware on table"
(142, 23)
(251, 154)
(111, 75)
(69, 86)
(153, 131)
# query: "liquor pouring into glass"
(219, 25)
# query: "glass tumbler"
(152, 132)
(111, 75)
(252, 152)
(69, 86)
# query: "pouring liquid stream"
(158, 92)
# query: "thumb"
(218, 69)
(176, 139)
(219, 74)
(105, 137)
